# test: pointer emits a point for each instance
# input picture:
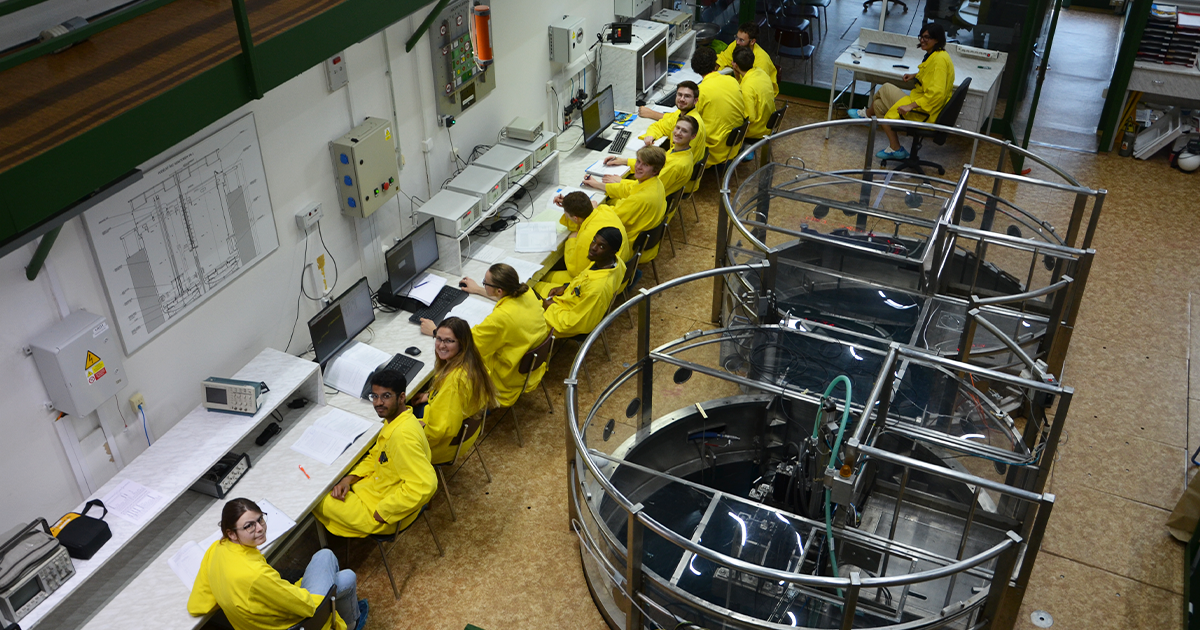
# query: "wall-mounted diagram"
(188, 228)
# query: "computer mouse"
(462, 285)
(639, 102)
(412, 351)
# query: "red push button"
(385, 185)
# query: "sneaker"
(363, 609)
(898, 154)
(856, 113)
(749, 157)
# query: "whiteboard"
(190, 226)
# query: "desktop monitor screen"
(410, 257)
(341, 321)
(653, 68)
(598, 114)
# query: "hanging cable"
(145, 429)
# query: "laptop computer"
(875, 48)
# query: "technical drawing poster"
(190, 226)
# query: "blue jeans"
(322, 573)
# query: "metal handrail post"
(646, 371)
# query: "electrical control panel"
(567, 40)
(364, 167)
(80, 363)
(459, 82)
(631, 8)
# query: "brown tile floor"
(512, 562)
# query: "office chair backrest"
(536, 356)
(949, 115)
(776, 119)
(698, 169)
(737, 134)
(653, 236)
(630, 270)
(321, 614)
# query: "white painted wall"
(295, 123)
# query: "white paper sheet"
(536, 236)
(186, 563)
(133, 502)
(592, 193)
(662, 109)
(486, 253)
(344, 424)
(349, 370)
(331, 435)
(278, 523)
(427, 288)
(525, 269)
(474, 309)
(600, 170)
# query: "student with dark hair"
(461, 388)
(747, 39)
(720, 104)
(583, 218)
(576, 308)
(934, 87)
(235, 577)
(757, 97)
(386, 489)
(686, 94)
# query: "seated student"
(576, 308)
(747, 37)
(461, 388)
(641, 202)
(514, 327)
(386, 489)
(236, 577)
(719, 104)
(686, 94)
(757, 98)
(583, 218)
(678, 168)
(934, 87)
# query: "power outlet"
(136, 401)
(308, 216)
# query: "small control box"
(511, 160)
(481, 182)
(220, 479)
(542, 146)
(679, 23)
(232, 396)
(80, 363)
(452, 212)
(567, 40)
(364, 167)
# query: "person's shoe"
(898, 154)
(855, 113)
(749, 157)
(363, 609)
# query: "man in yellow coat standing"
(387, 489)
(720, 104)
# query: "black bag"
(84, 535)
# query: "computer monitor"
(653, 67)
(337, 324)
(410, 257)
(598, 114)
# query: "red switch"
(385, 185)
(337, 60)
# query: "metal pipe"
(884, 379)
(39, 256)
(1004, 338)
(1029, 180)
(949, 473)
(1028, 295)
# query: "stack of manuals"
(1171, 36)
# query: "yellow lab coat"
(575, 248)
(513, 328)
(758, 101)
(641, 206)
(663, 128)
(676, 172)
(448, 407)
(762, 61)
(935, 86)
(720, 104)
(238, 579)
(585, 302)
(397, 481)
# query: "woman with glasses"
(514, 327)
(934, 86)
(461, 388)
(236, 577)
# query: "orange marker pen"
(304, 471)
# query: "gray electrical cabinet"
(364, 167)
(80, 363)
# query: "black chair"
(785, 19)
(649, 240)
(870, 2)
(390, 539)
(946, 118)
(734, 141)
(321, 615)
(530, 361)
(470, 427)
(797, 46)
(697, 173)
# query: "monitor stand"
(598, 144)
(387, 296)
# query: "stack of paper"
(349, 370)
(427, 288)
(133, 502)
(486, 253)
(331, 435)
(536, 236)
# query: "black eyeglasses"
(488, 284)
(250, 526)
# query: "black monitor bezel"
(349, 337)
(596, 103)
(395, 287)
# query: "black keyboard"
(447, 298)
(668, 100)
(405, 365)
(618, 143)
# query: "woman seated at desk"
(461, 388)
(236, 577)
(934, 86)
(514, 327)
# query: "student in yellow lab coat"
(235, 577)
(934, 87)
(757, 98)
(747, 38)
(386, 489)
(686, 94)
(514, 327)
(576, 308)
(641, 202)
(720, 104)
(678, 168)
(583, 217)
(461, 388)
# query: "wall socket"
(308, 216)
(136, 401)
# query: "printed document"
(331, 435)
(536, 236)
(133, 502)
(349, 370)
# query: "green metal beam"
(39, 256)
(416, 36)
(44, 186)
(1110, 116)
(12, 6)
(247, 40)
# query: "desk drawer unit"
(1178, 84)
(971, 117)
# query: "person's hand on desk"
(427, 327)
(614, 160)
(339, 491)
(649, 140)
(652, 114)
(593, 182)
(468, 285)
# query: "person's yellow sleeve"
(202, 601)
(447, 409)
(280, 595)
(569, 224)
(408, 451)
(662, 127)
(366, 466)
(936, 77)
(621, 189)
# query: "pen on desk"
(420, 284)
(304, 471)
(984, 67)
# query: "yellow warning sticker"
(387, 133)
(94, 368)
